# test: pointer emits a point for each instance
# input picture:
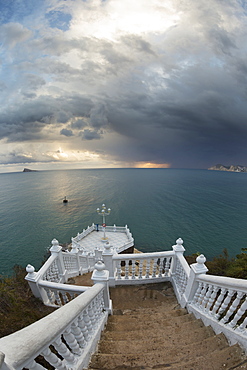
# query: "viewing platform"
(96, 236)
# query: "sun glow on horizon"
(152, 165)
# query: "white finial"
(201, 259)
(55, 246)
(30, 270)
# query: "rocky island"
(28, 170)
(232, 168)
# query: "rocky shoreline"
(232, 168)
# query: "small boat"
(65, 200)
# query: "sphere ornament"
(30, 270)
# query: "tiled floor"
(94, 239)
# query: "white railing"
(60, 294)
(84, 233)
(220, 302)
(66, 338)
(142, 268)
(115, 229)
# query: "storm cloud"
(125, 83)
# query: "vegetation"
(18, 306)
(223, 265)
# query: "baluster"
(178, 274)
(197, 294)
(233, 307)
(133, 269)
(50, 295)
(63, 350)
(127, 269)
(153, 264)
(53, 359)
(225, 303)
(87, 321)
(92, 313)
(83, 327)
(147, 268)
(140, 269)
(241, 311)
(167, 265)
(65, 298)
(183, 282)
(212, 297)
(98, 306)
(206, 297)
(202, 294)
(72, 343)
(57, 298)
(219, 300)
(160, 268)
(35, 366)
(77, 333)
(119, 269)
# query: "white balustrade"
(219, 301)
(140, 268)
(222, 303)
(73, 331)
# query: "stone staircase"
(148, 330)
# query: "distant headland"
(232, 168)
(28, 170)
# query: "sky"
(122, 83)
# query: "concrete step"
(174, 360)
(157, 312)
(150, 331)
(191, 327)
(159, 344)
(135, 323)
(230, 358)
(143, 296)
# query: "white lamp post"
(104, 212)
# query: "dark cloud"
(172, 92)
(26, 121)
(66, 132)
(90, 135)
(78, 124)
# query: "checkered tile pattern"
(94, 239)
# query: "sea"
(207, 209)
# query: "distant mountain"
(232, 168)
(28, 170)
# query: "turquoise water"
(208, 209)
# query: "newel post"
(196, 269)
(108, 261)
(101, 275)
(56, 249)
(33, 280)
(179, 250)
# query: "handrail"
(22, 347)
(224, 281)
(139, 256)
(65, 287)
